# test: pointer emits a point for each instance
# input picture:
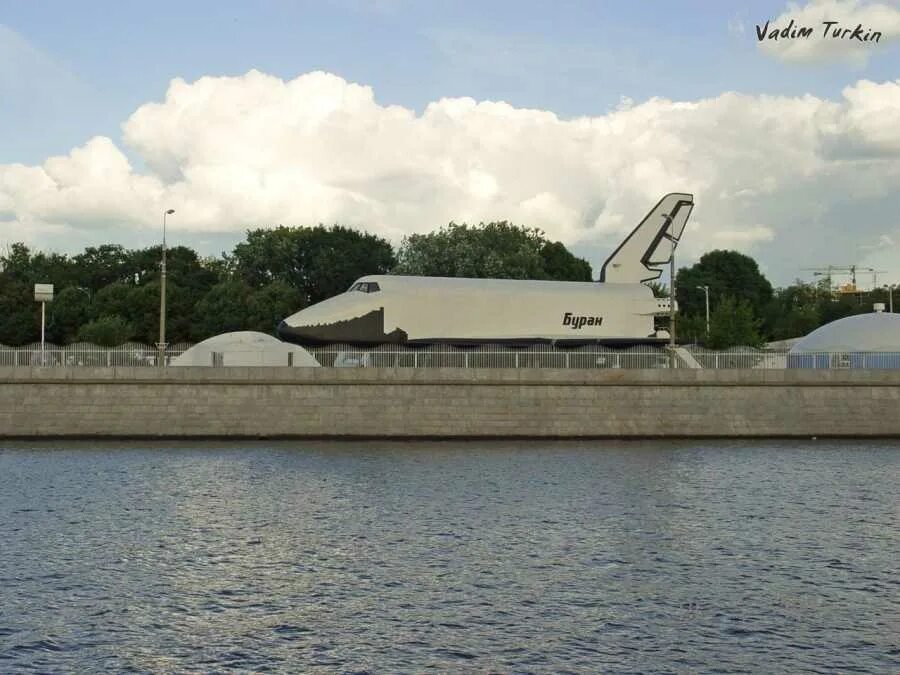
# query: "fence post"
(107, 357)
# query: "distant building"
(245, 348)
(861, 341)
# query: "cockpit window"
(366, 287)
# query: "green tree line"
(746, 310)
(109, 295)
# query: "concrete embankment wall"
(324, 402)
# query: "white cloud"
(774, 176)
(872, 16)
(740, 238)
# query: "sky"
(399, 116)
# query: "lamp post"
(672, 310)
(668, 224)
(161, 345)
(706, 293)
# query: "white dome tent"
(861, 341)
(245, 348)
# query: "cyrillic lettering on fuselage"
(577, 322)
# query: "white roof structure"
(245, 348)
(876, 332)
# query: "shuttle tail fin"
(651, 244)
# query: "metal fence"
(591, 357)
(485, 356)
(534, 356)
(86, 354)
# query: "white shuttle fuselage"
(398, 309)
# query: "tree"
(319, 262)
(272, 303)
(233, 305)
(732, 324)
(727, 273)
(107, 331)
(16, 262)
(794, 311)
(183, 267)
(71, 308)
(834, 307)
(21, 265)
(20, 269)
(113, 300)
(223, 309)
(139, 306)
(691, 329)
(660, 290)
(20, 315)
(496, 250)
(560, 264)
(143, 312)
(100, 266)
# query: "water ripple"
(376, 557)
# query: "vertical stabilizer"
(650, 246)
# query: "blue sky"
(70, 72)
(98, 61)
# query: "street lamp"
(161, 345)
(706, 292)
(672, 308)
(668, 224)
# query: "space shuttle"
(618, 309)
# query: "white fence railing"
(86, 354)
(591, 356)
(444, 356)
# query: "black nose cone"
(288, 333)
(367, 329)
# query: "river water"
(475, 557)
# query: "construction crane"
(832, 270)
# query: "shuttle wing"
(642, 255)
